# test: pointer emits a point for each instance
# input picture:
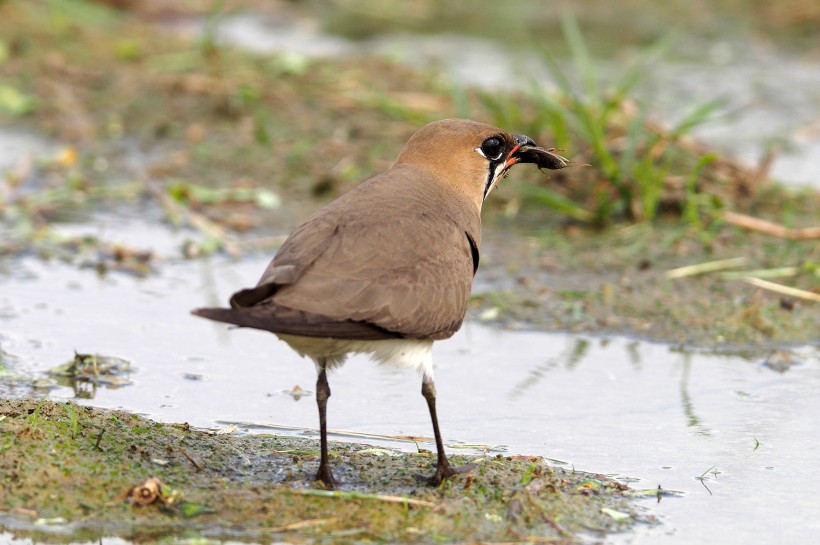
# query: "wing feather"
(396, 255)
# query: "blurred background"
(232, 120)
(642, 92)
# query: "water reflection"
(578, 349)
(82, 375)
(570, 357)
(634, 354)
(686, 400)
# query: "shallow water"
(642, 411)
(20, 146)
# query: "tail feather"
(295, 322)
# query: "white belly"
(411, 353)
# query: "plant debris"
(147, 492)
(771, 228)
(251, 487)
(95, 369)
(154, 491)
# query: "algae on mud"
(614, 281)
(64, 479)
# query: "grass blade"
(781, 272)
(690, 208)
(580, 55)
(636, 70)
(709, 266)
(556, 201)
(696, 117)
(784, 290)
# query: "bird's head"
(473, 157)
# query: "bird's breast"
(408, 353)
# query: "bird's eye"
(492, 148)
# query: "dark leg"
(322, 393)
(443, 467)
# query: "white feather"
(408, 353)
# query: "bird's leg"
(322, 394)
(443, 467)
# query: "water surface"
(648, 413)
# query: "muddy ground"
(68, 474)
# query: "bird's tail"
(227, 315)
(277, 319)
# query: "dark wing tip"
(295, 322)
(211, 313)
(243, 317)
(252, 296)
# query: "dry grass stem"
(773, 229)
(785, 290)
(707, 267)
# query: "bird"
(386, 269)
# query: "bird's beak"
(526, 150)
(512, 158)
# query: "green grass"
(602, 124)
(73, 421)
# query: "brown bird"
(387, 268)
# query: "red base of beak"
(510, 159)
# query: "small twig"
(785, 290)
(528, 539)
(781, 272)
(263, 243)
(533, 489)
(190, 459)
(703, 478)
(99, 439)
(227, 430)
(298, 525)
(25, 512)
(403, 438)
(554, 525)
(240, 453)
(360, 496)
(769, 228)
(195, 219)
(709, 266)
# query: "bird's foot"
(445, 471)
(326, 477)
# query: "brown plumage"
(387, 268)
(369, 260)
